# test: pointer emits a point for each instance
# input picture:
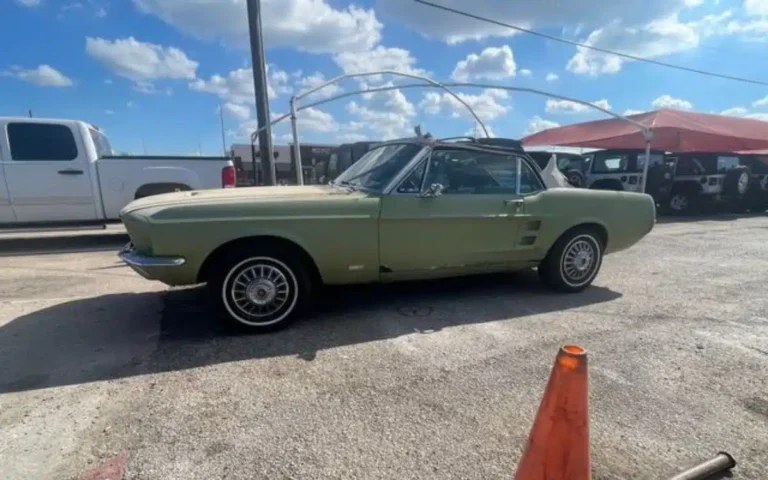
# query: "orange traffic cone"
(558, 447)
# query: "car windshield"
(377, 168)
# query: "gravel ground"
(427, 380)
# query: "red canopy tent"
(671, 130)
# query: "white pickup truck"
(62, 172)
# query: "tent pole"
(648, 136)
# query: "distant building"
(312, 154)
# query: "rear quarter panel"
(340, 233)
(626, 217)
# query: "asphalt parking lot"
(429, 380)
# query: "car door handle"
(71, 172)
(515, 205)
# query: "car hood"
(248, 194)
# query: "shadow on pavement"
(48, 245)
(117, 336)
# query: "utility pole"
(223, 137)
(260, 87)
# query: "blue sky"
(154, 72)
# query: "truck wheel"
(737, 182)
(682, 202)
(262, 289)
(573, 262)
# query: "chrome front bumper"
(146, 265)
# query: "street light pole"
(260, 87)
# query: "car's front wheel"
(261, 289)
(573, 262)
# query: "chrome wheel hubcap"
(260, 290)
(578, 260)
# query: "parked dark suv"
(705, 178)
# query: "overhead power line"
(590, 47)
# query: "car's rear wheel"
(573, 262)
(263, 289)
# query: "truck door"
(6, 210)
(48, 173)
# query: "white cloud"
(131, 104)
(140, 61)
(237, 86)
(525, 72)
(758, 8)
(745, 113)
(316, 120)
(315, 80)
(310, 25)
(491, 64)
(379, 58)
(763, 102)
(487, 104)
(43, 75)
(387, 114)
(566, 106)
(552, 77)
(240, 112)
(454, 28)
(29, 3)
(657, 38)
(735, 112)
(667, 101)
(631, 111)
(537, 124)
(109, 112)
(277, 81)
(478, 132)
(694, 3)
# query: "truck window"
(727, 163)
(103, 148)
(656, 159)
(41, 142)
(689, 166)
(610, 163)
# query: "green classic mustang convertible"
(408, 209)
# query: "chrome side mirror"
(434, 190)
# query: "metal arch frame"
(647, 132)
